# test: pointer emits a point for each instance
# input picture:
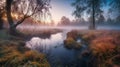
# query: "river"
(57, 54)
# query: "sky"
(61, 8)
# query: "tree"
(115, 9)
(64, 21)
(115, 6)
(117, 19)
(91, 7)
(2, 12)
(25, 9)
(101, 19)
(1, 18)
(109, 20)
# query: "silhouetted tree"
(118, 19)
(91, 7)
(64, 21)
(25, 9)
(101, 19)
(109, 20)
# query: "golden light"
(15, 15)
(4, 18)
(47, 20)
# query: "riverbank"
(42, 33)
(14, 53)
(103, 46)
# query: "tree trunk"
(1, 22)
(1, 18)
(9, 17)
(92, 24)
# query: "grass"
(71, 41)
(35, 32)
(15, 54)
(104, 46)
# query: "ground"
(14, 53)
(103, 45)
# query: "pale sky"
(61, 8)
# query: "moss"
(77, 46)
(70, 43)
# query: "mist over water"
(69, 27)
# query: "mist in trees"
(64, 21)
(90, 7)
(26, 9)
(39, 9)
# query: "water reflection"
(54, 41)
(58, 54)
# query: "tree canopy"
(90, 7)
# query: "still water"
(54, 48)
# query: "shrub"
(70, 43)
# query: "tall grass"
(104, 46)
(13, 54)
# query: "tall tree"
(91, 7)
(9, 17)
(2, 12)
(25, 9)
(1, 18)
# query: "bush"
(70, 43)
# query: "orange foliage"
(73, 34)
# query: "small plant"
(69, 42)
